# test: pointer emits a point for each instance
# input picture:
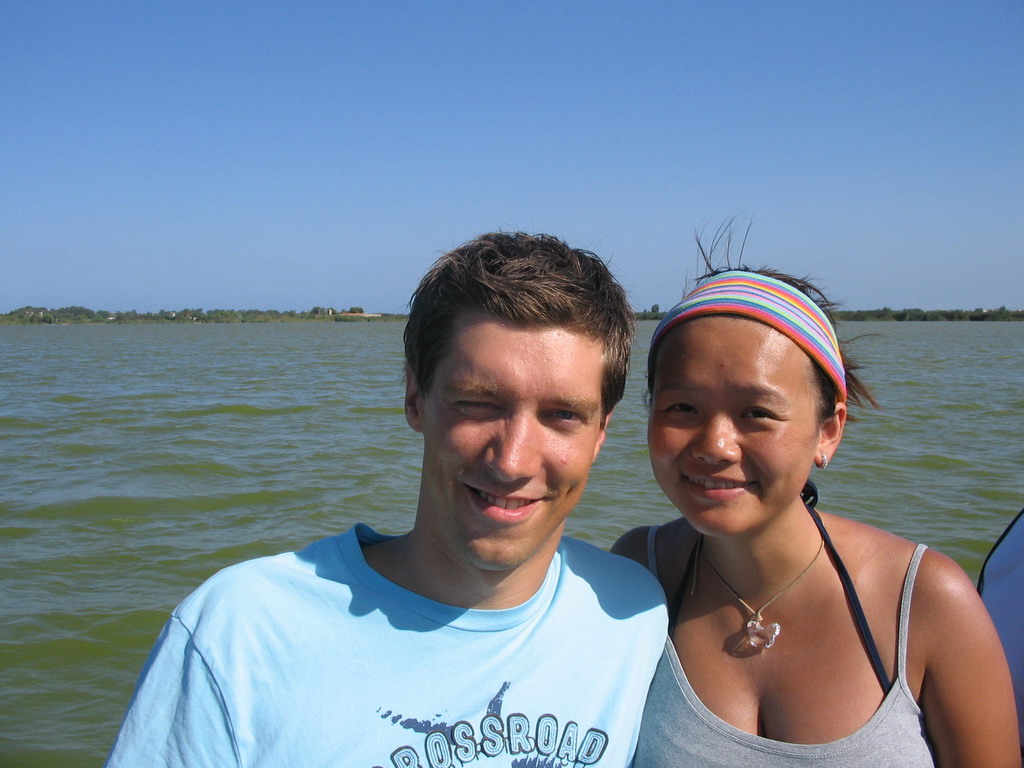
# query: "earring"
(824, 461)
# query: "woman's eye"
(679, 408)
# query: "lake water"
(137, 460)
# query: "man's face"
(511, 424)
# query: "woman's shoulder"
(633, 544)
(944, 596)
(668, 540)
(871, 554)
(874, 552)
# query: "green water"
(137, 460)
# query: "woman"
(792, 637)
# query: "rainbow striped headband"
(772, 302)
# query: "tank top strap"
(689, 577)
(652, 556)
(904, 630)
(676, 600)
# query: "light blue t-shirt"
(314, 659)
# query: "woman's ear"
(832, 431)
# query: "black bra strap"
(851, 597)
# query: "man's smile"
(505, 502)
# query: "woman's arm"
(966, 693)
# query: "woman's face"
(735, 425)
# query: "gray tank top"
(678, 731)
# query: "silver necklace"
(759, 634)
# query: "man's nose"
(515, 451)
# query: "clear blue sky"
(163, 154)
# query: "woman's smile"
(716, 484)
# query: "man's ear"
(604, 433)
(413, 401)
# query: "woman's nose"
(715, 441)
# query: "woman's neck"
(760, 563)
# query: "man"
(480, 637)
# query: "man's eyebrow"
(473, 386)
(586, 405)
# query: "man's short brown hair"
(531, 281)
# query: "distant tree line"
(931, 314)
(655, 313)
(64, 315)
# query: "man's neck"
(407, 562)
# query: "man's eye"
(475, 407)
(563, 415)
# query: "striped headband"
(772, 302)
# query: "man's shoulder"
(622, 586)
(582, 552)
(266, 583)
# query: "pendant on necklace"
(761, 636)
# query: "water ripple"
(138, 460)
